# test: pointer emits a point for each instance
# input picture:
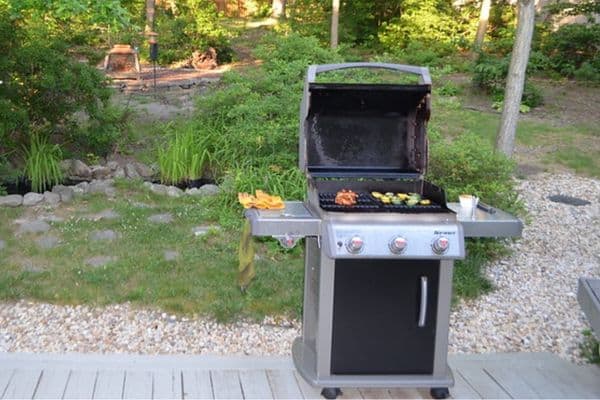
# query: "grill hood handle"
(424, 77)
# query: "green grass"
(203, 280)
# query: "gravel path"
(534, 307)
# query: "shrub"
(100, 134)
(42, 163)
(572, 45)
(589, 72)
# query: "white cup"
(466, 201)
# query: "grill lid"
(364, 130)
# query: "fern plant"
(42, 163)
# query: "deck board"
(52, 384)
(462, 390)
(22, 384)
(255, 384)
(81, 384)
(308, 391)
(138, 384)
(375, 393)
(408, 393)
(226, 384)
(351, 393)
(196, 384)
(166, 384)
(5, 375)
(482, 383)
(109, 384)
(283, 384)
(513, 381)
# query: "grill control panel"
(419, 241)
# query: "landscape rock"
(203, 229)
(100, 185)
(66, 193)
(119, 173)
(81, 188)
(161, 218)
(80, 169)
(112, 165)
(51, 198)
(174, 191)
(106, 214)
(100, 261)
(131, 172)
(31, 266)
(193, 191)
(143, 170)
(32, 199)
(36, 226)
(147, 184)
(47, 241)
(2, 244)
(171, 255)
(158, 188)
(105, 235)
(209, 189)
(100, 172)
(12, 200)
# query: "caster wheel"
(439, 393)
(331, 393)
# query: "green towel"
(246, 255)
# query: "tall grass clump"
(42, 163)
(183, 159)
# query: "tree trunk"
(515, 81)
(221, 5)
(335, 18)
(278, 8)
(484, 16)
(150, 8)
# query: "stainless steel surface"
(423, 305)
(484, 224)
(440, 364)
(340, 239)
(295, 220)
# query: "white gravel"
(534, 306)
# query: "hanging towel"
(246, 255)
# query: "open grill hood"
(364, 130)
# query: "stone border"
(65, 194)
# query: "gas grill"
(378, 276)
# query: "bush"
(42, 164)
(569, 47)
(100, 134)
(589, 72)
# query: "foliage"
(569, 47)
(184, 158)
(468, 164)
(489, 74)
(42, 164)
(192, 25)
(434, 24)
(586, 7)
(590, 348)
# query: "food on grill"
(261, 200)
(346, 197)
(377, 195)
(425, 202)
(402, 196)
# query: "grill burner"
(365, 202)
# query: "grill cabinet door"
(376, 313)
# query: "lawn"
(201, 280)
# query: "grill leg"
(439, 393)
(331, 393)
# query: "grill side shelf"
(295, 220)
(485, 224)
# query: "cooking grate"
(365, 202)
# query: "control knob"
(440, 245)
(398, 244)
(354, 244)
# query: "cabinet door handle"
(423, 308)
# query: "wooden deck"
(498, 376)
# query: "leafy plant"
(183, 159)
(42, 163)
(590, 348)
(572, 45)
(2, 191)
